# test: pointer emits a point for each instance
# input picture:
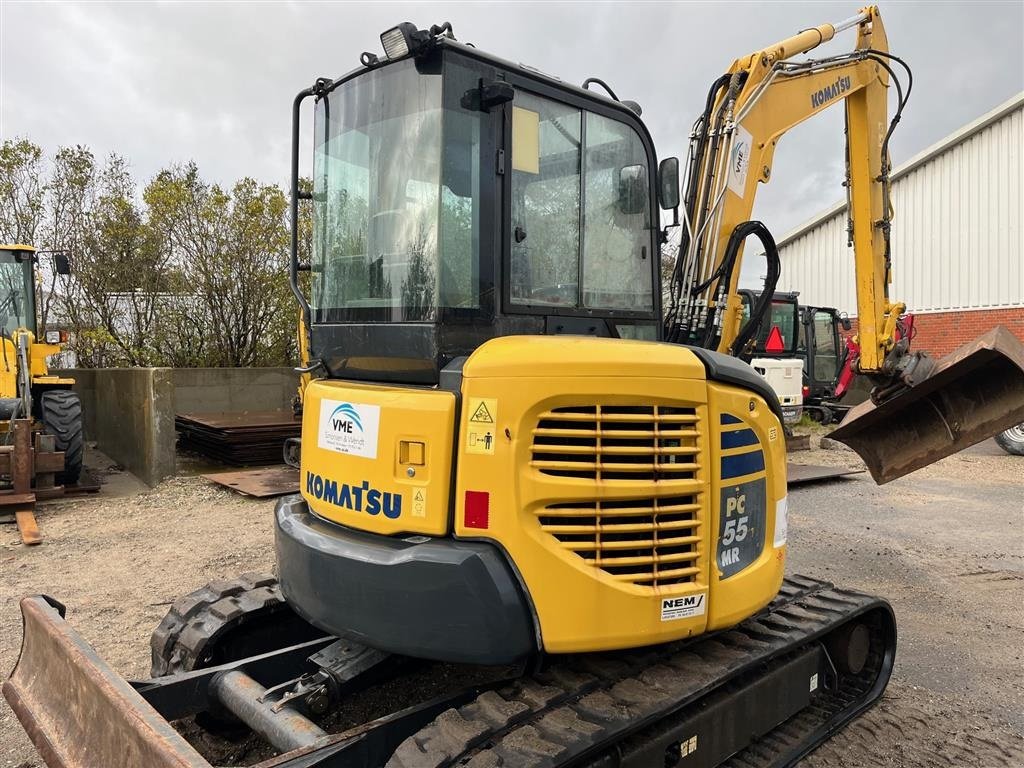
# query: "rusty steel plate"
(246, 420)
(973, 393)
(263, 483)
(801, 474)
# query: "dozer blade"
(78, 712)
(974, 393)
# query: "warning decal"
(419, 503)
(480, 441)
(482, 410)
(480, 431)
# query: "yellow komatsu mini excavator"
(515, 465)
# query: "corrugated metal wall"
(957, 242)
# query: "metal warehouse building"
(957, 240)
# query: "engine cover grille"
(647, 542)
(651, 539)
(617, 442)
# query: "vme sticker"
(684, 607)
(739, 160)
(349, 428)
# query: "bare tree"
(67, 200)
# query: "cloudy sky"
(162, 82)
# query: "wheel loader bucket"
(78, 712)
(974, 393)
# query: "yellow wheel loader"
(27, 390)
(515, 465)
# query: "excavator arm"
(760, 98)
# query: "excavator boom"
(921, 410)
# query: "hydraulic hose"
(771, 280)
(701, 129)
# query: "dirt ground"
(945, 546)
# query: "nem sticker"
(683, 607)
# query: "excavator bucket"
(974, 393)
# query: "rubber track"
(180, 641)
(581, 706)
(61, 412)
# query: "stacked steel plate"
(255, 437)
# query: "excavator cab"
(458, 198)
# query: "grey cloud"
(213, 82)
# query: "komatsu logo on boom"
(830, 92)
(356, 498)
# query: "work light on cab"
(399, 41)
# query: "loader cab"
(458, 197)
(17, 288)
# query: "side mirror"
(61, 264)
(844, 320)
(633, 189)
(668, 183)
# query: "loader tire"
(61, 414)
(226, 621)
(1012, 440)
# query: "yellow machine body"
(639, 501)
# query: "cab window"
(616, 223)
(826, 351)
(581, 223)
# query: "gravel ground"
(945, 546)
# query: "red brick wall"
(941, 332)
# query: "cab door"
(826, 347)
(581, 230)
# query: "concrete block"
(233, 390)
(129, 412)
